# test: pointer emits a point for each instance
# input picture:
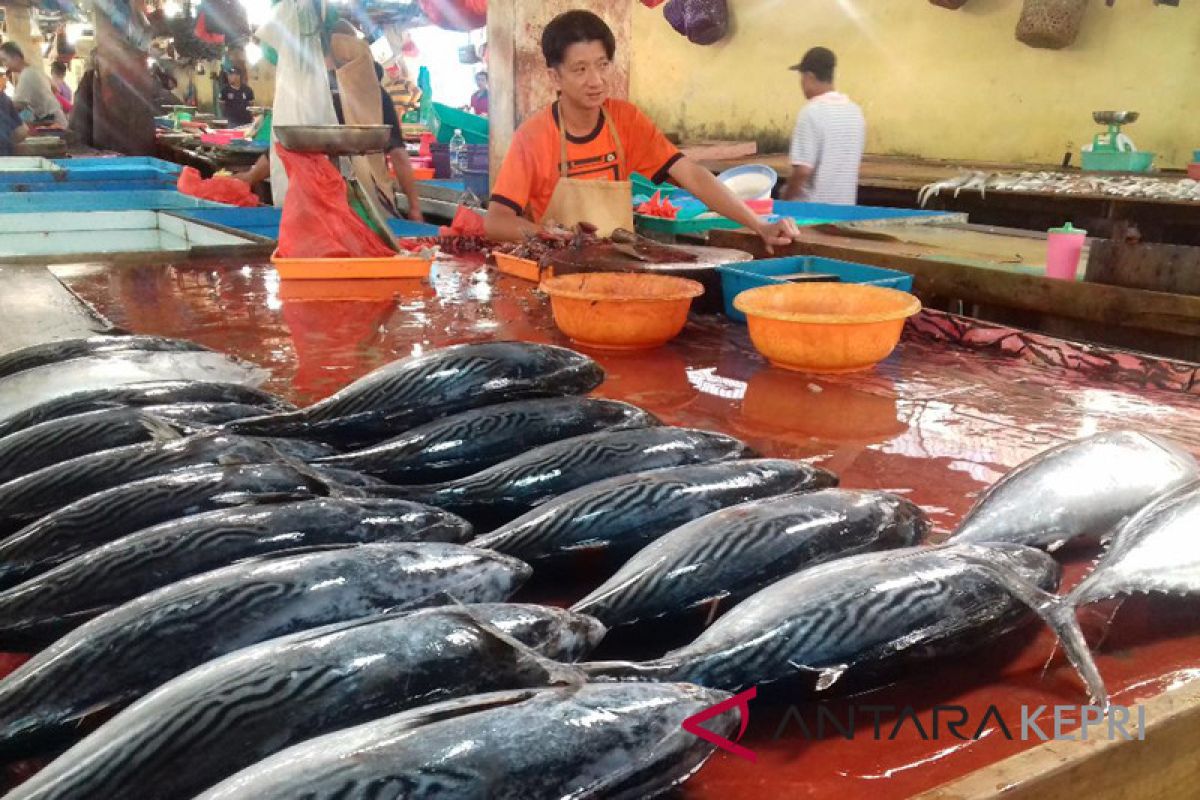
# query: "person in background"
(479, 100)
(58, 84)
(33, 96)
(12, 127)
(571, 162)
(236, 99)
(830, 136)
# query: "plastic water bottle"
(458, 155)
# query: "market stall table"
(897, 181)
(956, 406)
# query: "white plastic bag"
(302, 95)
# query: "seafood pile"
(581, 250)
(1133, 187)
(269, 602)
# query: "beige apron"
(360, 94)
(606, 204)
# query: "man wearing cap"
(830, 135)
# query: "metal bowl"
(334, 140)
(1115, 117)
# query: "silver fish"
(1085, 488)
(623, 514)
(1157, 551)
(63, 350)
(46, 607)
(234, 711)
(596, 741)
(119, 656)
(105, 516)
(475, 440)
(514, 487)
(32, 496)
(399, 396)
(152, 393)
(867, 613)
(734, 553)
(24, 390)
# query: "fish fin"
(828, 676)
(557, 674)
(615, 671)
(262, 498)
(1057, 612)
(160, 430)
(321, 483)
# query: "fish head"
(911, 524)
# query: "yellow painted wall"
(933, 82)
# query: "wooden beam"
(1111, 305)
(1162, 767)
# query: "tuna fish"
(36, 494)
(109, 515)
(501, 493)
(615, 741)
(420, 389)
(730, 555)
(44, 608)
(475, 440)
(62, 439)
(867, 613)
(39, 355)
(159, 393)
(1155, 552)
(1082, 489)
(24, 390)
(230, 713)
(125, 653)
(623, 514)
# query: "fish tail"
(1057, 612)
(160, 430)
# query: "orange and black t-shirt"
(531, 168)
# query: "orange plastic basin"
(621, 311)
(826, 327)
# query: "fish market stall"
(957, 406)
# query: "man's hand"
(415, 215)
(780, 233)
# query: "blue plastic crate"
(737, 278)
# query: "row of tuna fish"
(316, 602)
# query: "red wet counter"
(954, 408)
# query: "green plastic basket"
(447, 120)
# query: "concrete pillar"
(519, 84)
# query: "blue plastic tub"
(737, 278)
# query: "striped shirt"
(830, 137)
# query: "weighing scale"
(1113, 151)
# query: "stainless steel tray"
(334, 140)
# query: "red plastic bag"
(467, 222)
(220, 190)
(317, 220)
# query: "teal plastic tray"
(737, 278)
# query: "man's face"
(585, 76)
(235, 80)
(11, 62)
(481, 81)
(810, 84)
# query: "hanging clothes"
(302, 95)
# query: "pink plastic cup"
(1065, 246)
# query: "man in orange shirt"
(571, 162)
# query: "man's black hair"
(12, 49)
(821, 62)
(575, 27)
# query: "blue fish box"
(737, 278)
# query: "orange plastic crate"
(326, 269)
(522, 268)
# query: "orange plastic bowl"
(826, 327)
(621, 311)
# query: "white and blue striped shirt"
(830, 136)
